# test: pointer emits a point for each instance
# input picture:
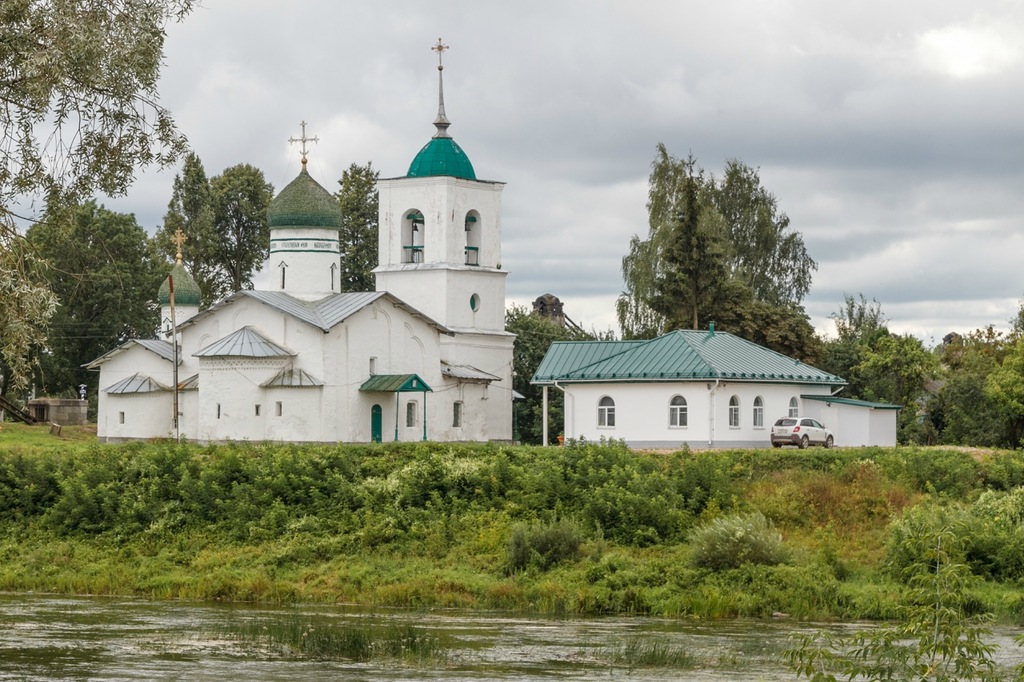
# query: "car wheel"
(776, 444)
(803, 442)
(829, 442)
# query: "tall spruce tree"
(191, 211)
(359, 203)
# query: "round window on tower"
(474, 302)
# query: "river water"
(57, 638)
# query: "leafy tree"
(79, 113)
(191, 211)
(716, 251)
(859, 324)
(965, 413)
(99, 267)
(1005, 386)
(894, 369)
(534, 335)
(359, 206)
(241, 196)
(766, 255)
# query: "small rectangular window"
(218, 410)
(257, 410)
(457, 414)
(410, 413)
(373, 366)
(120, 417)
(277, 408)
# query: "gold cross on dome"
(179, 238)
(439, 49)
(303, 140)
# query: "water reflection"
(52, 638)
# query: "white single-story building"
(703, 389)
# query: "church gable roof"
(324, 314)
(158, 346)
(247, 343)
(678, 355)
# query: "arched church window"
(473, 229)
(413, 234)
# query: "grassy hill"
(587, 528)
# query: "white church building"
(424, 357)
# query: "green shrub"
(542, 546)
(731, 541)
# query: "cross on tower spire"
(303, 140)
(179, 238)
(441, 122)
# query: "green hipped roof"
(676, 356)
(304, 203)
(441, 156)
(186, 291)
(395, 383)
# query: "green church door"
(376, 424)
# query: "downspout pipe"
(711, 412)
(565, 409)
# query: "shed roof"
(677, 356)
(158, 346)
(292, 378)
(851, 401)
(136, 383)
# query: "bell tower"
(439, 245)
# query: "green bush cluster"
(543, 545)
(732, 541)
(989, 532)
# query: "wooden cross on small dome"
(303, 140)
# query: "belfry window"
(413, 234)
(472, 238)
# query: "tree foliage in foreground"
(79, 113)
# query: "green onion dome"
(304, 203)
(441, 156)
(186, 291)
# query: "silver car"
(801, 432)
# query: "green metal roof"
(186, 291)
(441, 156)
(676, 356)
(304, 203)
(851, 401)
(395, 383)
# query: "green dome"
(441, 156)
(304, 203)
(186, 291)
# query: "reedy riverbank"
(430, 525)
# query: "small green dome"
(441, 156)
(186, 291)
(304, 203)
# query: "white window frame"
(794, 407)
(734, 412)
(678, 417)
(606, 413)
(758, 412)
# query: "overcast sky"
(892, 133)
